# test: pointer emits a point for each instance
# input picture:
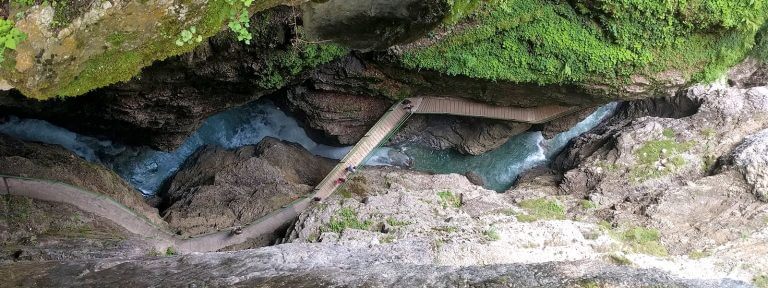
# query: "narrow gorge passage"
(58, 192)
(147, 169)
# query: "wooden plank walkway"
(454, 106)
(108, 208)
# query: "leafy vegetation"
(10, 36)
(170, 251)
(461, 9)
(189, 36)
(761, 45)
(541, 209)
(556, 42)
(240, 19)
(347, 218)
(448, 199)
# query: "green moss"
(695, 255)
(643, 240)
(556, 42)
(649, 155)
(619, 259)
(491, 234)
(116, 65)
(541, 209)
(448, 199)
(396, 223)
(347, 218)
(760, 281)
(587, 205)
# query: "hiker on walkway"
(351, 169)
(339, 181)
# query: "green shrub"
(761, 45)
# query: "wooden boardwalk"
(161, 238)
(398, 114)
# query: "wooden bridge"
(161, 238)
(400, 112)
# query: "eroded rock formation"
(220, 188)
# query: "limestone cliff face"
(288, 55)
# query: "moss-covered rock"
(628, 47)
(107, 42)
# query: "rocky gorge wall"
(670, 191)
(169, 99)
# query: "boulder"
(751, 158)
(218, 188)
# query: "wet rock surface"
(372, 24)
(471, 136)
(220, 188)
(335, 117)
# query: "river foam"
(498, 168)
